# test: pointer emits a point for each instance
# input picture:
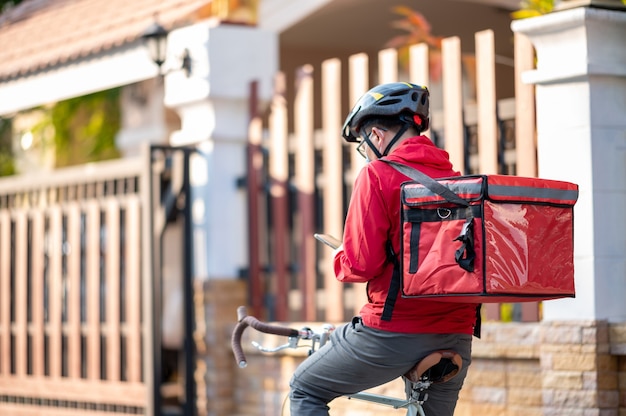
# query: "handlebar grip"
(240, 357)
(269, 328)
(243, 322)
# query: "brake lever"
(317, 340)
(292, 343)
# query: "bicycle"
(437, 367)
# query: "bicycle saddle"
(437, 367)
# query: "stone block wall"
(579, 372)
(617, 340)
(505, 375)
(216, 303)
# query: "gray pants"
(359, 358)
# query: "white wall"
(213, 107)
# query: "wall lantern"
(155, 40)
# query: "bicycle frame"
(413, 404)
(412, 408)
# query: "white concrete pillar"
(212, 103)
(581, 126)
(142, 118)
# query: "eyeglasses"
(361, 148)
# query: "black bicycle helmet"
(402, 99)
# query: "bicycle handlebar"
(243, 322)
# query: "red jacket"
(373, 219)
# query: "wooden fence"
(81, 288)
(300, 171)
(72, 329)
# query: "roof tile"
(38, 34)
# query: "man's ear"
(379, 134)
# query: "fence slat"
(37, 292)
(255, 162)
(148, 271)
(92, 292)
(453, 101)
(20, 300)
(359, 84)
(525, 135)
(112, 267)
(132, 301)
(305, 183)
(387, 66)
(74, 357)
(5, 293)
(419, 72)
(333, 180)
(486, 100)
(358, 65)
(55, 294)
(279, 194)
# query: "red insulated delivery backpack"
(484, 239)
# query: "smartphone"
(328, 239)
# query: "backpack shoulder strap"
(394, 285)
(427, 181)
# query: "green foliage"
(7, 165)
(533, 8)
(7, 4)
(85, 128)
(71, 132)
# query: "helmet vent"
(414, 96)
(397, 93)
(390, 101)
